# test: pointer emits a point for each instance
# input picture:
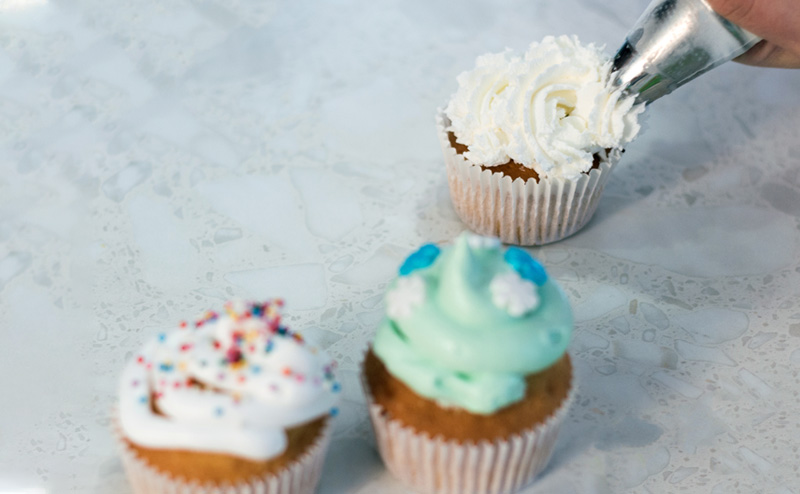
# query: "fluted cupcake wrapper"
(522, 212)
(301, 477)
(440, 466)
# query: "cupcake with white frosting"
(529, 140)
(468, 379)
(231, 400)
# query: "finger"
(766, 54)
(774, 20)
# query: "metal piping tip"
(673, 42)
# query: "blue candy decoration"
(422, 258)
(527, 267)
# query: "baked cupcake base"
(522, 212)
(498, 453)
(297, 472)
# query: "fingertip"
(766, 54)
(736, 11)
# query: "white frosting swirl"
(227, 384)
(550, 110)
(471, 111)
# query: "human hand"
(777, 21)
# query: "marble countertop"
(159, 158)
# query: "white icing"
(555, 110)
(245, 406)
(408, 294)
(471, 111)
(483, 242)
(513, 294)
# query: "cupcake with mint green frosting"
(470, 366)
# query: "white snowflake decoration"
(513, 294)
(407, 295)
(481, 242)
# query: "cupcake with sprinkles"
(233, 400)
(468, 378)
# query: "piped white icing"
(550, 110)
(512, 293)
(483, 242)
(408, 294)
(229, 383)
(471, 110)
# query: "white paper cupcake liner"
(301, 477)
(518, 211)
(440, 466)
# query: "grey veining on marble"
(158, 158)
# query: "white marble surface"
(159, 157)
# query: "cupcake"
(231, 402)
(530, 140)
(468, 379)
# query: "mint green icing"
(457, 347)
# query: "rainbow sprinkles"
(229, 383)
